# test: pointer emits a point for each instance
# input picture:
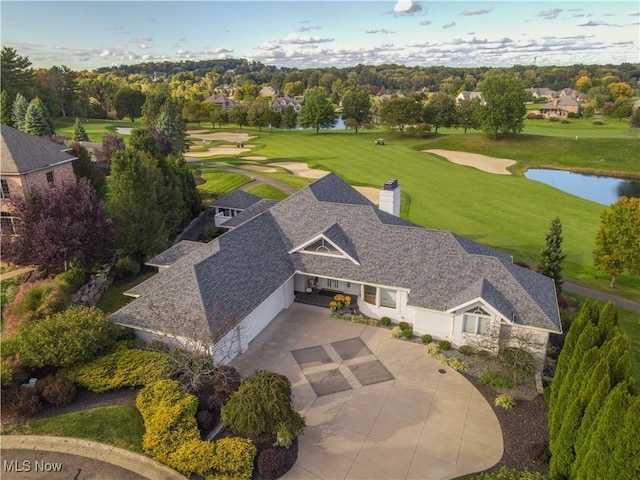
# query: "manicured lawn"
(95, 128)
(220, 182)
(267, 191)
(118, 425)
(113, 299)
(289, 179)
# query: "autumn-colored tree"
(617, 247)
(111, 143)
(584, 83)
(620, 89)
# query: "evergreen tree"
(140, 222)
(626, 458)
(191, 197)
(5, 109)
(143, 140)
(79, 133)
(551, 257)
(599, 456)
(167, 137)
(110, 144)
(608, 321)
(83, 167)
(19, 112)
(17, 74)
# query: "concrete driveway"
(376, 408)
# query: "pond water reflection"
(601, 189)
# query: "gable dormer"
(331, 242)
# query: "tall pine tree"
(19, 111)
(37, 120)
(551, 257)
(79, 133)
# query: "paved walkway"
(15, 273)
(67, 458)
(270, 181)
(602, 296)
(393, 415)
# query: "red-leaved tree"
(59, 225)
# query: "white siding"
(438, 324)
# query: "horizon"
(322, 34)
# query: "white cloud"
(105, 53)
(478, 11)
(634, 14)
(140, 39)
(591, 23)
(550, 14)
(449, 25)
(307, 29)
(294, 39)
(407, 7)
(383, 31)
(426, 22)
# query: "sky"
(84, 35)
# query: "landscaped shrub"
(56, 390)
(546, 393)
(403, 325)
(426, 339)
(396, 332)
(434, 351)
(385, 321)
(7, 373)
(195, 456)
(531, 116)
(71, 280)
(466, 350)
(264, 404)
(407, 333)
(234, 457)
(126, 266)
(76, 335)
(272, 463)
(207, 420)
(495, 380)
(554, 119)
(123, 368)
(518, 361)
(598, 122)
(19, 401)
(573, 115)
(444, 345)
(564, 120)
(505, 401)
(34, 301)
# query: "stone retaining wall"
(91, 292)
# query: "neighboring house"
(572, 93)
(280, 103)
(541, 93)
(221, 101)
(267, 92)
(231, 205)
(329, 236)
(561, 107)
(29, 162)
(466, 95)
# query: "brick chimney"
(390, 197)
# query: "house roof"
(226, 279)
(23, 153)
(173, 254)
(249, 212)
(238, 199)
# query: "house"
(280, 103)
(468, 96)
(232, 204)
(29, 162)
(222, 101)
(541, 93)
(328, 236)
(561, 107)
(572, 93)
(267, 91)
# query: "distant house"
(541, 93)
(561, 107)
(577, 95)
(268, 91)
(280, 103)
(29, 162)
(466, 95)
(222, 101)
(328, 239)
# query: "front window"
(388, 298)
(50, 179)
(476, 322)
(370, 294)
(7, 224)
(380, 297)
(5, 189)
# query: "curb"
(131, 461)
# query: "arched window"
(476, 322)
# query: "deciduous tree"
(440, 111)
(290, 117)
(239, 115)
(317, 111)
(467, 114)
(128, 103)
(83, 167)
(111, 143)
(503, 110)
(356, 106)
(400, 112)
(258, 113)
(620, 89)
(617, 247)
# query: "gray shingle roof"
(223, 281)
(237, 199)
(249, 213)
(22, 153)
(173, 254)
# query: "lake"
(601, 189)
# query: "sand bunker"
(124, 130)
(371, 193)
(253, 157)
(219, 150)
(258, 168)
(301, 169)
(481, 162)
(225, 136)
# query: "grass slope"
(95, 128)
(266, 191)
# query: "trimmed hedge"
(124, 368)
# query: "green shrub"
(71, 280)
(466, 350)
(495, 380)
(598, 122)
(426, 339)
(573, 115)
(518, 361)
(546, 393)
(407, 333)
(564, 121)
(126, 266)
(123, 368)
(396, 332)
(444, 345)
(505, 401)
(76, 335)
(484, 353)
(9, 347)
(403, 325)
(56, 390)
(194, 457)
(434, 351)
(34, 301)
(7, 373)
(554, 119)
(385, 321)
(234, 457)
(264, 404)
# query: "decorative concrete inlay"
(328, 382)
(351, 348)
(370, 373)
(311, 356)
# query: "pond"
(601, 189)
(338, 126)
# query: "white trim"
(301, 249)
(497, 313)
(359, 282)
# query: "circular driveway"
(375, 407)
